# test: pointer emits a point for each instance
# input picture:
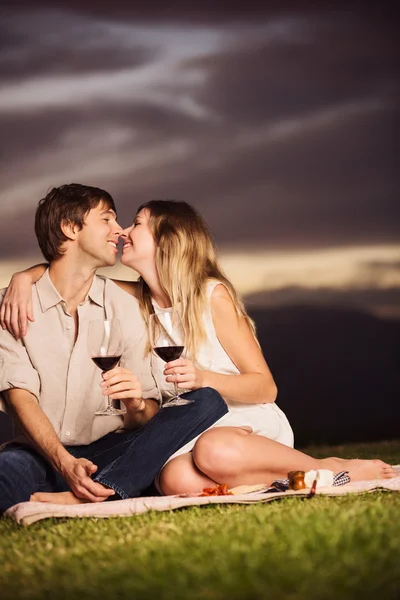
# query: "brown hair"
(65, 204)
(186, 258)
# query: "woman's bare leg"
(234, 456)
(181, 476)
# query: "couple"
(232, 432)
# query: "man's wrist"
(62, 459)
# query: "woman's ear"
(69, 229)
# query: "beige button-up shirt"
(59, 371)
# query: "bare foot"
(57, 498)
(361, 470)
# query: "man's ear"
(69, 229)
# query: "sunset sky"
(277, 123)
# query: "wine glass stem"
(110, 406)
(176, 390)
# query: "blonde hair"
(186, 258)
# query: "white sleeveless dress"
(267, 420)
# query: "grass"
(341, 548)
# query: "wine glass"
(105, 343)
(167, 340)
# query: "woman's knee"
(219, 451)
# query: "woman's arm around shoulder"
(16, 307)
(128, 286)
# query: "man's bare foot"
(361, 470)
(57, 498)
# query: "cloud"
(276, 124)
(384, 303)
(52, 50)
(17, 236)
(180, 11)
(323, 61)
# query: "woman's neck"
(156, 291)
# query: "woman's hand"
(122, 384)
(16, 308)
(183, 372)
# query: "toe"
(389, 472)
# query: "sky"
(278, 123)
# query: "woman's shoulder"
(216, 288)
(219, 298)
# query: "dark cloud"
(341, 189)
(148, 124)
(64, 60)
(314, 63)
(282, 135)
(61, 45)
(322, 187)
(17, 237)
(181, 11)
(26, 135)
(385, 302)
(378, 267)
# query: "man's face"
(99, 236)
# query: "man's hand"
(183, 372)
(122, 384)
(77, 474)
(16, 308)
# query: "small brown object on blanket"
(296, 480)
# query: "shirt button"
(68, 433)
(69, 327)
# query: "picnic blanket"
(26, 513)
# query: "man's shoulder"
(125, 307)
(115, 294)
(4, 290)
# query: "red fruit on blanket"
(218, 490)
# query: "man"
(53, 389)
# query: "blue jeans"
(127, 461)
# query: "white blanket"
(26, 513)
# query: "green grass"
(324, 548)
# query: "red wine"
(106, 363)
(169, 353)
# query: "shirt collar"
(97, 289)
(49, 296)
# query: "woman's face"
(139, 247)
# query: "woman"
(169, 245)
